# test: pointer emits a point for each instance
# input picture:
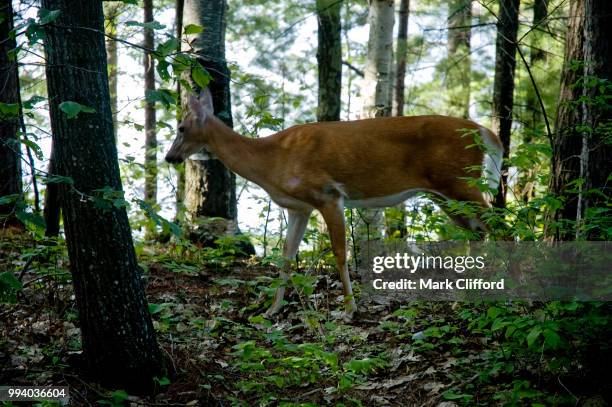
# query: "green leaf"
(181, 62)
(193, 29)
(29, 104)
(58, 179)
(164, 96)
(363, 366)
(164, 381)
(9, 110)
(200, 75)
(168, 47)
(162, 69)
(493, 312)
(9, 279)
(152, 25)
(120, 395)
(47, 16)
(7, 199)
(451, 394)
(159, 220)
(9, 287)
(32, 219)
(33, 146)
(155, 308)
(108, 198)
(552, 339)
(72, 109)
(533, 335)
(499, 324)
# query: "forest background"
(536, 72)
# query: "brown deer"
(363, 163)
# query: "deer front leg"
(333, 214)
(296, 226)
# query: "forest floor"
(208, 317)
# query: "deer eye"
(181, 129)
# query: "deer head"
(192, 134)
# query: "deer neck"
(240, 154)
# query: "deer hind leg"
(333, 214)
(296, 226)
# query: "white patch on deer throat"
(201, 156)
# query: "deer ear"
(206, 101)
(195, 107)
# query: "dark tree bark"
(180, 168)
(52, 209)
(112, 10)
(395, 219)
(210, 189)
(536, 55)
(150, 164)
(329, 65)
(534, 119)
(503, 84)
(119, 346)
(581, 147)
(402, 49)
(10, 152)
(329, 60)
(459, 65)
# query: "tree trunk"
(395, 218)
(52, 209)
(536, 55)
(329, 60)
(10, 151)
(150, 164)
(533, 121)
(329, 64)
(112, 10)
(378, 62)
(581, 166)
(376, 92)
(180, 168)
(210, 188)
(458, 68)
(402, 49)
(503, 84)
(118, 339)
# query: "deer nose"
(173, 159)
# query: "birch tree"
(377, 89)
(377, 73)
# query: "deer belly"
(286, 201)
(381, 201)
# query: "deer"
(368, 163)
